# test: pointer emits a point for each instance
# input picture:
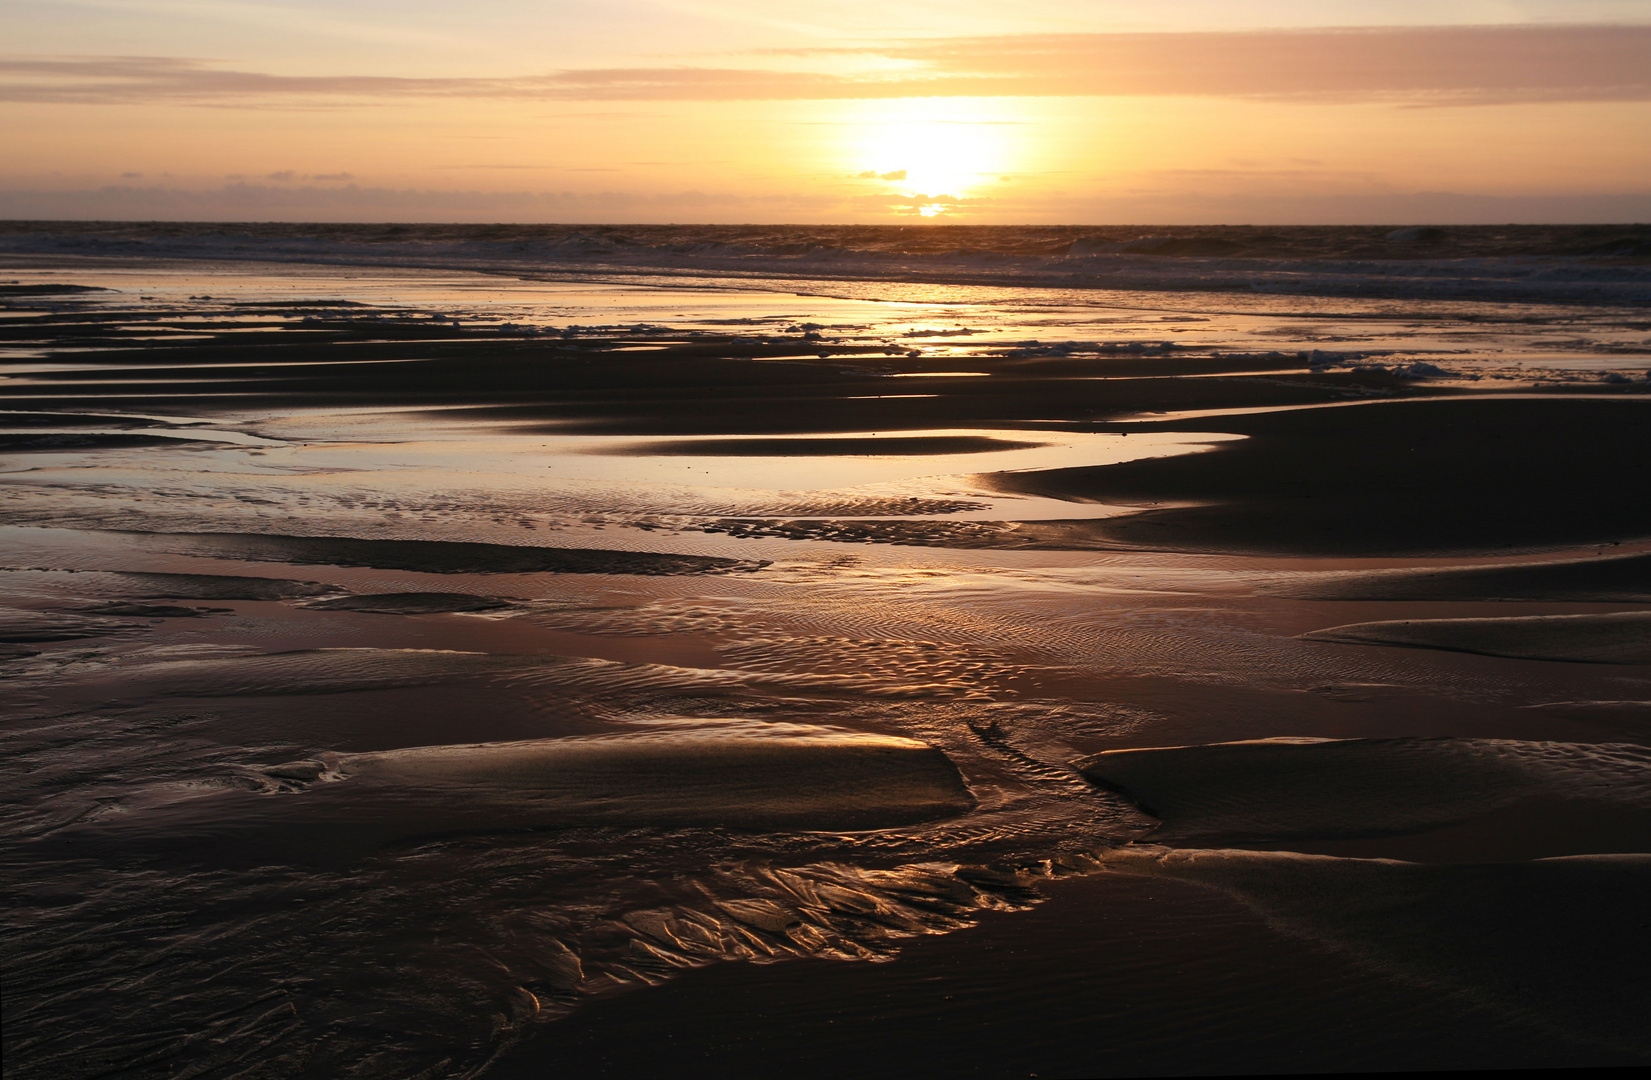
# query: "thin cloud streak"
(1451, 63)
(1438, 66)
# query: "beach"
(495, 650)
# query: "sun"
(942, 146)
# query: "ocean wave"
(1587, 264)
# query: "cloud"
(1425, 65)
(287, 176)
(241, 201)
(1451, 64)
(873, 174)
(116, 80)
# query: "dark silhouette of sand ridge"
(1270, 790)
(1622, 637)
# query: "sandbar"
(825, 779)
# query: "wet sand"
(420, 670)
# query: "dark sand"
(1422, 478)
(1113, 976)
(825, 447)
(1238, 794)
(1513, 931)
(419, 603)
(445, 557)
(1622, 637)
(22, 444)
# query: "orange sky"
(828, 111)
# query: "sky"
(828, 111)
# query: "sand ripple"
(19, 625)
